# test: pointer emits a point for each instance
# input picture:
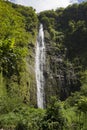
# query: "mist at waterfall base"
(39, 68)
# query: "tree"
(54, 118)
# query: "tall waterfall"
(39, 68)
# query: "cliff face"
(60, 76)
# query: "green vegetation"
(66, 72)
(17, 43)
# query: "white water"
(39, 68)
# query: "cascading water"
(39, 68)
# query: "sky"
(41, 5)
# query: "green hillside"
(18, 30)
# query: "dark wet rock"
(60, 77)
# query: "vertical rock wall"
(60, 77)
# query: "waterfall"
(39, 68)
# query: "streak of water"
(39, 68)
